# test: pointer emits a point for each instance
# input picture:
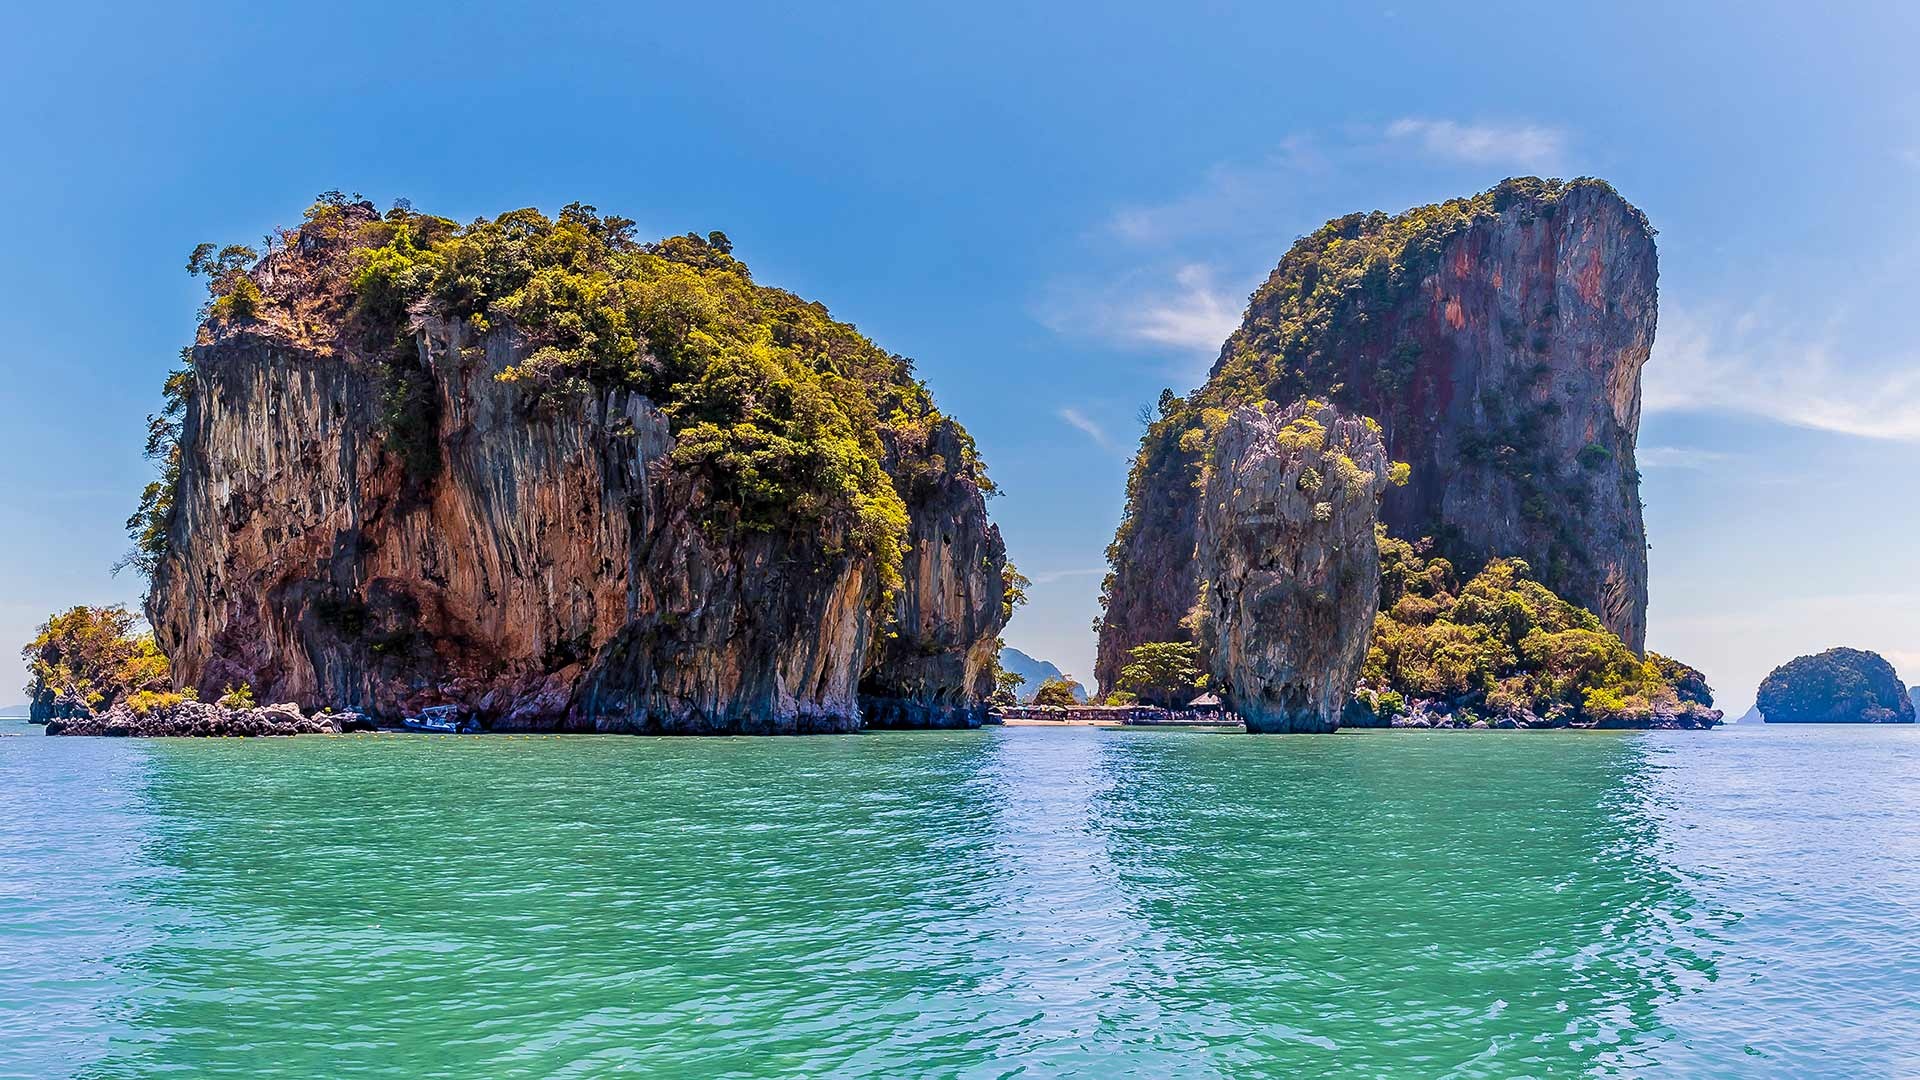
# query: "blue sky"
(1057, 210)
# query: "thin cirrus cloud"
(1184, 310)
(1230, 198)
(1051, 577)
(1679, 457)
(1195, 315)
(1075, 418)
(1528, 146)
(1741, 364)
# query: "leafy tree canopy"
(1164, 673)
(1058, 691)
(94, 656)
(784, 412)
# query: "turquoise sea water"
(1015, 902)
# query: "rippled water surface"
(1014, 902)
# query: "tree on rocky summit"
(1164, 673)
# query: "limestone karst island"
(533, 474)
(946, 542)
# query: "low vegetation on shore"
(1503, 645)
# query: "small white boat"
(442, 720)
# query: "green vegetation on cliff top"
(1314, 311)
(784, 412)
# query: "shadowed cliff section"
(569, 481)
(1497, 340)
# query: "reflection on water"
(1388, 900)
(1017, 902)
(70, 835)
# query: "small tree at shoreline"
(1164, 673)
(1058, 691)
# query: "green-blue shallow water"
(1013, 902)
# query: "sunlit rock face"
(555, 571)
(1288, 563)
(934, 669)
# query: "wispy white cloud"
(1183, 309)
(1679, 457)
(1229, 196)
(1195, 314)
(1525, 146)
(1053, 576)
(1906, 662)
(1741, 363)
(1086, 424)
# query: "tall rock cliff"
(933, 665)
(570, 482)
(1497, 340)
(1288, 562)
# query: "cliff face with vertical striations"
(1497, 340)
(632, 537)
(933, 666)
(1288, 563)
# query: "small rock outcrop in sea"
(1839, 686)
(1497, 339)
(568, 481)
(49, 705)
(1288, 564)
(199, 719)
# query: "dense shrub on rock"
(89, 659)
(1503, 644)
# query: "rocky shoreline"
(1424, 716)
(204, 720)
(199, 719)
(1438, 716)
